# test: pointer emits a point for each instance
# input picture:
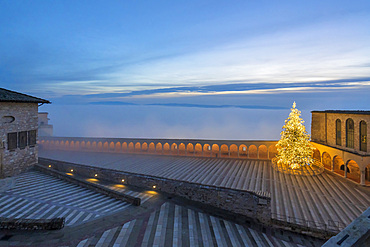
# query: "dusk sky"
(187, 55)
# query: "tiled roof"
(345, 112)
(11, 96)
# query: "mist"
(168, 122)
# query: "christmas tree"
(294, 148)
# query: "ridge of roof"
(362, 112)
(12, 96)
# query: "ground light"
(154, 186)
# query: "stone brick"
(13, 162)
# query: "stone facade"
(323, 128)
(16, 118)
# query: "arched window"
(363, 136)
(338, 127)
(350, 129)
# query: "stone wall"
(323, 129)
(318, 128)
(16, 117)
(251, 204)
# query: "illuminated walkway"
(323, 199)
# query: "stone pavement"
(96, 220)
(323, 201)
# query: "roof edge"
(35, 99)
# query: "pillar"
(362, 177)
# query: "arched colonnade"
(197, 148)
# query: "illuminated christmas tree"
(294, 148)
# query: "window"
(12, 141)
(338, 132)
(350, 129)
(22, 139)
(363, 136)
(32, 138)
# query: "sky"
(186, 56)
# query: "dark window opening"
(350, 130)
(338, 132)
(22, 139)
(12, 141)
(363, 136)
(32, 138)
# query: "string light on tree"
(294, 148)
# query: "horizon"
(192, 58)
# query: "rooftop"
(345, 112)
(11, 96)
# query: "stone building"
(341, 136)
(45, 129)
(18, 131)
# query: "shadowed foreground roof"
(11, 96)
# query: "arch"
(198, 149)
(207, 150)
(83, 145)
(111, 146)
(166, 149)
(215, 150)
(124, 147)
(137, 147)
(262, 152)
(252, 152)
(338, 132)
(66, 144)
(62, 144)
(243, 151)
(144, 147)
(118, 147)
(337, 163)
(131, 147)
(182, 149)
(94, 146)
(88, 145)
(353, 171)
(350, 131)
(190, 149)
(57, 144)
(158, 148)
(71, 145)
(174, 150)
(77, 145)
(106, 146)
(100, 146)
(363, 136)
(316, 155)
(327, 161)
(272, 151)
(234, 151)
(224, 150)
(151, 148)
